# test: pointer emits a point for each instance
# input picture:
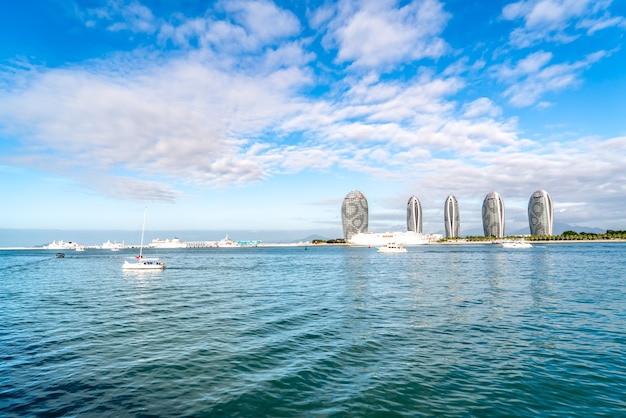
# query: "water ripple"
(444, 331)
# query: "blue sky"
(260, 115)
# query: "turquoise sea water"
(443, 330)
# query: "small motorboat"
(391, 248)
(516, 244)
(60, 255)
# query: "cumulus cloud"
(263, 19)
(182, 119)
(481, 107)
(189, 122)
(557, 20)
(531, 77)
(121, 16)
(374, 34)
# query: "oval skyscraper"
(493, 215)
(540, 213)
(354, 214)
(452, 217)
(414, 215)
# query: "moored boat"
(392, 248)
(167, 243)
(515, 244)
(227, 243)
(61, 245)
(144, 264)
(113, 246)
(140, 262)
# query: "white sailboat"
(140, 262)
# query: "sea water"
(442, 330)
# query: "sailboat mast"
(143, 228)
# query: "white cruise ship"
(113, 246)
(62, 245)
(167, 243)
(374, 239)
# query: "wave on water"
(332, 331)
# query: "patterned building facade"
(452, 217)
(354, 214)
(540, 213)
(414, 215)
(493, 215)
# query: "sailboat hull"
(144, 264)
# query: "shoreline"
(305, 244)
(560, 241)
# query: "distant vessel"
(250, 243)
(113, 246)
(80, 248)
(392, 248)
(168, 243)
(61, 245)
(515, 244)
(142, 263)
(60, 255)
(227, 243)
(380, 239)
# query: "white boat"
(140, 262)
(144, 263)
(168, 243)
(62, 245)
(227, 243)
(515, 244)
(80, 248)
(373, 239)
(392, 248)
(113, 246)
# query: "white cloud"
(481, 107)
(263, 20)
(374, 34)
(556, 20)
(600, 23)
(186, 122)
(129, 188)
(532, 77)
(250, 24)
(120, 15)
(183, 119)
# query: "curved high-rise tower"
(452, 217)
(354, 214)
(414, 215)
(540, 213)
(493, 215)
